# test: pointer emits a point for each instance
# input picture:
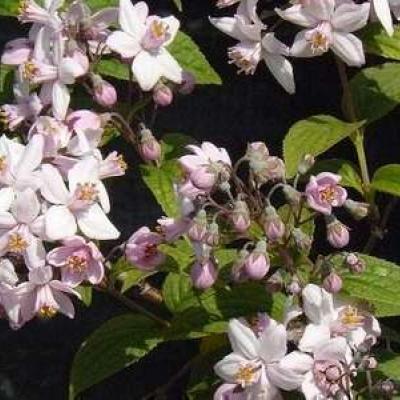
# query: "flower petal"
(282, 70)
(243, 340)
(60, 99)
(273, 342)
(146, 71)
(53, 188)
(123, 44)
(349, 48)
(59, 223)
(132, 18)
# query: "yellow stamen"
(158, 29)
(87, 192)
(350, 316)
(16, 243)
(122, 163)
(245, 375)
(29, 70)
(47, 312)
(76, 263)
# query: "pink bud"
(188, 83)
(294, 287)
(204, 177)
(104, 93)
(355, 264)
(274, 228)
(162, 95)
(257, 263)
(333, 283)
(203, 274)
(357, 209)
(240, 216)
(337, 234)
(212, 236)
(257, 151)
(302, 240)
(149, 148)
(198, 229)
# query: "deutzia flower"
(145, 38)
(382, 10)
(246, 27)
(329, 26)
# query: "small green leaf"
(287, 216)
(160, 181)
(376, 91)
(6, 83)
(9, 7)
(387, 179)
(314, 136)
(113, 68)
(117, 344)
(174, 145)
(191, 59)
(110, 133)
(180, 251)
(347, 170)
(98, 4)
(178, 293)
(376, 41)
(178, 4)
(86, 294)
(378, 285)
(389, 364)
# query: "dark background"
(35, 361)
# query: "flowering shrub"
(237, 251)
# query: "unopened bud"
(293, 197)
(369, 363)
(275, 283)
(212, 235)
(294, 287)
(257, 263)
(387, 389)
(203, 274)
(355, 263)
(338, 234)
(306, 164)
(301, 239)
(357, 209)
(150, 148)
(333, 283)
(257, 151)
(274, 228)
(198, 229)
(162, 95)
(104, 93)
(238, 272)
(188, 83)
(240, 216)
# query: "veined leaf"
(387, 179)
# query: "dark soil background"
(35, 361)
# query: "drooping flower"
(329, 26)
(79, 261)
(203, 274)
(144, 39)
(323, 192)
(247, 28)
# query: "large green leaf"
(378, 285)
(314, 136)
(6, 83)
(377, 41)
(191, 59)
(387, 179)
(178, 293)
(9, 7)
(113, 68)
(181, 252)
(376, 91)
(389, 364)
(117, 344)
(160, 181)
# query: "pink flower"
(337, 234)
(142, 249)
(43, 296)
(104, 93)
(203, 274)
(162, 95)
(149, 148)
(274, 228)
(323, 192)
(17, 51)
(79, 260)
(240, 216)
(172, 228)
(257, 263)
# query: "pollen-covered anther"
(122, 163)
(350, 316)
(3, 163)
(246, 375)
(159, 29)
(29, 70)
(87, 192)
(76, 263)
(47, 312)
(16, 243)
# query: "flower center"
(150, 250)
(157, 34)
(245, 375)
(16, 243)
(158, 29)
(121, 163)
(245, 59)
(47, 312)
(29, 70)
(351, 316)
(328, 194)
(3, 164)
(76, 263)
(87, 192)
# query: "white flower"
(382, 10)
(145, 38)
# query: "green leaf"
(389, 364)
(9, 7)
(174, 145)
(110, 133)
(378, 285)
(98, 4)
(180, 251)
(347, 170)
(160, 181)
(387, 179)
(6, 83)
(113, 68)
(86, 294)
(314, 136)
(178, 293)
(285, 212)
(191, 59)
(376, 91)
(377, 41)
(117, 344)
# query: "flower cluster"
(327, 25)
(53, 201)
(332, 347)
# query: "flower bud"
(301, 239)
(355, 264)
(333, 283)
(293, 197)
(337, 234)
(294, 287)
(275, 283)
(369, 363)
(387, 389)
(162, 95)
(257, 151)
(203, 274)
(274, 228)
(212, 235)
(198, 230)
(149, 148)
(103, 92)
(357, 209)
(188, 83)
(238, 272)
(257, 263)
(240, 216)
(306, 164)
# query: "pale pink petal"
(349, 48)
(26, 206)
(350, 17)
(298, 15)
(229, 26)
(6, 198)
(282, 70)
(65, 305)
(31, 158)
(243, 339)
(123, 44)
(60, 99)
(147, 70)
(132, 18)
(53, 188)
(60, 223)
(382, 11)
(313, 336)
(273, 342)
(173, 28)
